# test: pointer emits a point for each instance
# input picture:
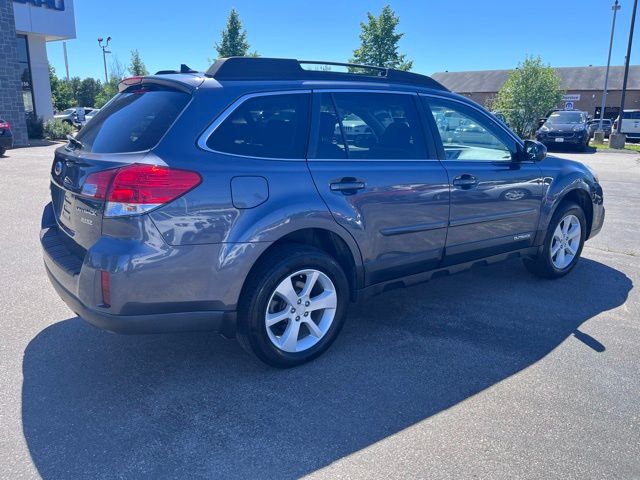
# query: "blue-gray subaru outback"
(259, 198)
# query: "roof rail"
(261, 68)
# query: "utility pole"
(619, 138)
(615, 7)
(66, 60)
(104, 56)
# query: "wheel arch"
(582, 198)
(345, 252)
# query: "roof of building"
(572, 78)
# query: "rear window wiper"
(73, 140)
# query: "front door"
(495, 194)
(371, 165)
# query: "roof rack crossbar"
(261, 68)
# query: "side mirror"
(535, 151)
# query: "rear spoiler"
(177, 83)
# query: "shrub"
(35, 127)
(56, 129)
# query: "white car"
(630, 124)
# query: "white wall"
(40, 76)
(53, 24)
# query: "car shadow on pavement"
(97, 405)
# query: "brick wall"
(11, 107)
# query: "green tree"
(234, 38)
(530, 91)
(110, 89)
(379, 42)
(62, 96)
(137, 66)
(88, 91)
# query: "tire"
(2, 151)
(272, 345)
(547, 266)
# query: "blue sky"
(439, 35)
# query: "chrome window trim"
(370, 90)
(204, 137)
(479, 110)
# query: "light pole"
(626, 63)
(615, 7)
(104, 55)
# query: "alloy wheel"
(565, 241)
(301, 310)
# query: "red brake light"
(127, 82)
(96, 184)
(139, 188)
(5, 124)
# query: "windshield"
(566, 117)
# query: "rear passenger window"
(369, 126)
(268, 126)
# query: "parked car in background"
(231, 202)
(567, 127)
(593, 127)
(88, 116)
(6, 137)
(630, 124)
(75, 116)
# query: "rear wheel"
(293, 306)
(2, 151)
(563, 243)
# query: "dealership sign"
(53, 4)
(571, 97)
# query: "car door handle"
(348, 186)
(465, 181)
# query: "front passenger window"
(466, 135)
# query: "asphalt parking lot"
(488, 374)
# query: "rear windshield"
(633, 115)
(133, 121)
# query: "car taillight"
(4, 124)
(138, 188)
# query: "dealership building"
(583, 87)
(25, 28)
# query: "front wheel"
(293, 306)
(563, 243)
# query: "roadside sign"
(568, 105)
(571, 97)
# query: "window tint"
(133, 121)
(377, 126)
(467, 135)
(269, 126)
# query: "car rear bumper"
(218, 321)
(154, 288)
(6, 141)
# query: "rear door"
(495, 195)
(374, 170)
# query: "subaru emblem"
(57, 168)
